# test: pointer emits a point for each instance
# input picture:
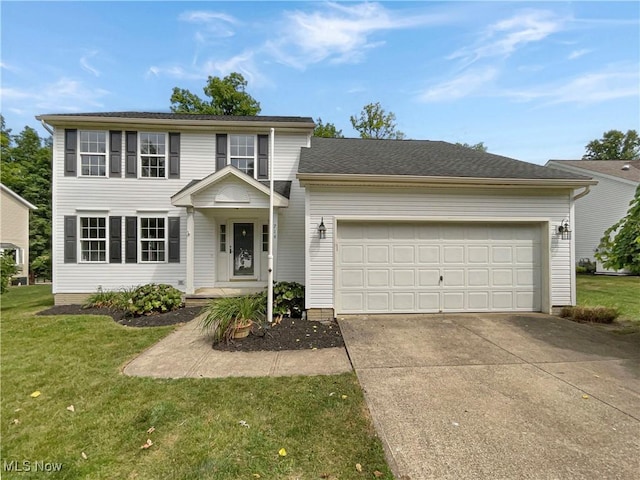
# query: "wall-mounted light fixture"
(564, 230)
(322, 230)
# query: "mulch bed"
(289, 334)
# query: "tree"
(614, 145)
(227, 97)
(8, 268)
(481, 147)
(374, 122)
(326, 130)
(620, 246)
(25, 167)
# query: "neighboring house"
(369, 226)
(14, 231)
(607, 202)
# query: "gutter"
(586, 191)
(45, 126)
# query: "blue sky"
(531, 80)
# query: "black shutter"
(115, 239)
(174, 239)
(70, 239)
(132, 154)
(131, 234)
(174, 155)
(221, 151)
(115, 152)
(263, 156)
(70, 152)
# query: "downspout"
(270, 252)
(586, 190)
(46, 127)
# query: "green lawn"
(622, 293)
(76, 360)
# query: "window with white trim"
(153, 155)
(93, 153)
(153, 239)
(223, 238)
(265, 238)
(242, 153)
(93, 239)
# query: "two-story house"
(14, 231)
(369, 226)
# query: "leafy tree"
(326, 130)
(481, 147)
(227, 97)
(614, 145)
(374, 122)
(620, 246)
(25, 167)
(8, 268)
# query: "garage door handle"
(441, 278)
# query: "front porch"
(202, 296)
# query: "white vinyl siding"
(440, 204)
(120, 196)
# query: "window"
(242, 153)
(152, 239)
(223, 238)
(93, 239)
(265, 238)
(153, 159)
(93, 153)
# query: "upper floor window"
(153, 155)
(242, 153)
(93, 153)
(93, 239)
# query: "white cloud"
(504, 37)
(468, 83)
(610, 84)
(63, 95)
(339, 32)
(84, 63)
(578, 53)
(214, 24)
(10, 68)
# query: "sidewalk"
(187, 353)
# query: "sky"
(532, 80)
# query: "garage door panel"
(453, 254)
(403, 254)
(397, 268)
(378, 301)
(428, 277)
(403, 302)
(404, 278)
(352, 254)
(378, 278)
(378, 254)
(352, 278)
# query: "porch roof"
(184, 197)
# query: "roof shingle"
(607, 167)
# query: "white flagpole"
(270, 252)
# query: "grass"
(322, 422)
(619, 292)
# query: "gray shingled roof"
(416, 158)
(186, 116)
(608, 167)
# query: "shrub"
(153, 298)
(41, 266)
(222, 316)
(8, 268)
(590, 314)
(103, 299)
(288, 299)
(585, 265)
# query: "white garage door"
(443, 267)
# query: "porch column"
(190, 250)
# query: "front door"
(243, 250)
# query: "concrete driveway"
(498, 396)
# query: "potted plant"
(233, 317)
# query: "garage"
(428, 267)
